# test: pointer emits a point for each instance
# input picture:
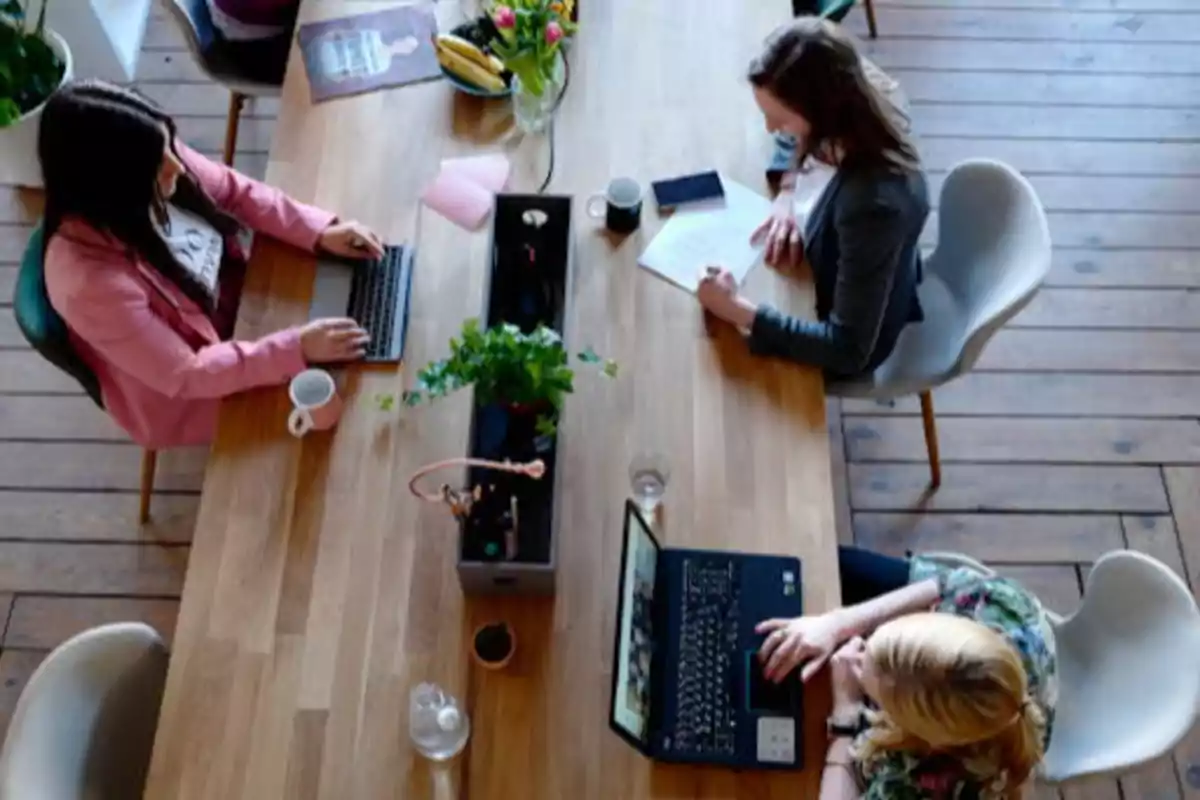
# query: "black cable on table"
(550, 126)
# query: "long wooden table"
(319, 591)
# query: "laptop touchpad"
(331, 290)
(767, 697)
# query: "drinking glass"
(648, 476)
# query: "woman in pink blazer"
(143, 264)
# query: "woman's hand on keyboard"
(791, 642)
(331, 340)
(351, 240)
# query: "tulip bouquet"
(531, 34)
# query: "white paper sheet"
(719, 235)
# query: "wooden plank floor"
(1080, 432)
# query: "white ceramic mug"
(315, 402)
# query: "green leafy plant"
(531, 34)
(30, 70)
(527, 371)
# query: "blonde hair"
(951, 685)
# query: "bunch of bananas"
(469, 63)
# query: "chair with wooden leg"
(195, 22)
(47, 333)
(992, 255)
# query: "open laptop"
(687, 681)
(372, 293)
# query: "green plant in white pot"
(34, 62)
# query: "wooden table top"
(320, 591)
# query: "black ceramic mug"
(620, 206)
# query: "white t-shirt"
(196, 245)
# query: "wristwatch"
(845, 725)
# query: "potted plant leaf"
(34, 62)
(526, 373)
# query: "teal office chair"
(47, 333)
(835, 10)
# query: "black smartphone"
(687, 189)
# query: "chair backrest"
(1129, 670)
(993, 248)
(83, 728)
(41, 325)
(196, 23)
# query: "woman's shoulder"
(888, 185)
(1005, 606)
(899, 775)
(82, 263)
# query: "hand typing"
(351, 240)
(331, 340)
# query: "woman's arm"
(871, 234)
(813, 639)
(115, 318)
(837, 779)
(256, 205)
(861, 619)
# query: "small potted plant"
(34, 62)
(531, 35)
(526, 373)
(493, 645)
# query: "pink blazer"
(161, 366)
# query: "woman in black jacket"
(861, 238)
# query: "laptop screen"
(635, 634)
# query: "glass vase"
(532, 112)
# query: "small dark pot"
(493, 645)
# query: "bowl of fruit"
(467, 60)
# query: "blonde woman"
(950, 695)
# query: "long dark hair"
(101, 147)
(812, 66)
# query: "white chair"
(83, 728)
(992, 254)
(1129, 670)
(195, 21)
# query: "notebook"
(365, 52)
(466, 188)
(716, 233)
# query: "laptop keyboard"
(706, 714)
(373, 305)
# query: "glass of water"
(648, 476)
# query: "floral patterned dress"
(1015, 613)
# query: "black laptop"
(687, 681)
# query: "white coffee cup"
(315, 402)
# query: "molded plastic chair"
(47, 333)
(1129, 670)
(84, 726)
(195, 21)
(992, 254)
